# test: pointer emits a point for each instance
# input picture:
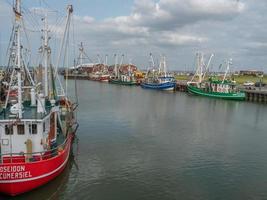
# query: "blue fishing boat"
(158, 79)
(161, 83)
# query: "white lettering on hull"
(12, 169)
(15, 175)
(37, 177)
(14, 172)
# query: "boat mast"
(63, 41)
(122, 59)
(229, 62)
(198, 70)
(164, 66)
(200, 66)
(115, 67)
(151, 63)
(130, 70)
(81, 54)
(106, 59)
(46, 50)
(98, 59)
(160, 64)
(17, 11)
(208, 65)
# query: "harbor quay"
(252, 93)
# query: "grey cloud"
(172, 14)
(179, 28)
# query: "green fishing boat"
(122, 81)
(224, 89)
(120, 78)
(216, 89)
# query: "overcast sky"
(176, 28)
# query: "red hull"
(18, 178)
(103, 79)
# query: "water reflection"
(142, 144)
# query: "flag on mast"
(17, 14)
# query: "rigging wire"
(27, 38)
(51, 8)
(31, 16)
(74, 55)
(9, 45)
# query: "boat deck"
(29, 112)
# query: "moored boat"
(99, 76)
(215, 88)
(37, 126)
(161, 83)
(123, 80)
(158, 79)
(126, 78)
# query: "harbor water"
(137, 144)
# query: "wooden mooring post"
(256, 96)
(181, 86)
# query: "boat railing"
(32, 157)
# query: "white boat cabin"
(28, 135)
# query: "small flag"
(17, 14)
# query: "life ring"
(219, 89)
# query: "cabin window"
(33, 128)
(20, 128)
(44, 127)
(8, 130)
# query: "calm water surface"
(136, 144)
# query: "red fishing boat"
(99, 76)
(37, 126)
